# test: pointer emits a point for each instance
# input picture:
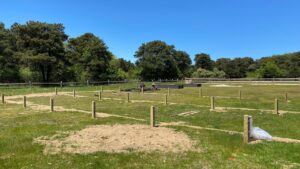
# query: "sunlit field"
(217, 134)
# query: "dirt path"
(40, 107)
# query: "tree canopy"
(40, 51)
(157, 60)
(89, 57)
(40, 46)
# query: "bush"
(270, 70)
(203, 73)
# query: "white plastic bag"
(259, 134)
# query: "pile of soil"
(116, 139)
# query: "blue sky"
(221, 28)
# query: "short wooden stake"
(101, 88)
(212, 103)
(93, 109)
(286, 96)
(246, 129)
(55, 91)
(128, 97)
(276, 107)
(200, 92)
(74, 93)
(51, 105)
(24, 102)
(152, 116)
(2, 99)
(166, 99)
(240, 94)
(100, 95)
(142, 90)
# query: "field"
(216, 135)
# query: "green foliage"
(40, 51)
(89, 57)
(184, 62)
(40, 46)
(270, 70)
(27, 75)
(8, 66)
(237, 67)
(203, 61)
(157, 61)
(288, 62)
(203, 73)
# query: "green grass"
(19, 126)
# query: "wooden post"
(100, 95)
(166, 99)
(152, 116)
(55, 91)
(168, 91)
(93, 109)
(128, 98)
(212, 103)
(51, 105)
(61, 84)
(276, 107)
(286, 96)
(240, 94)
(24, 102)
(101, 88)
(2, 99)
(142, 89)
(246, 129)
(200, 92)
(74, 93)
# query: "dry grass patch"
(116, 139)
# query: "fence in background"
(87, 83)
(242, 80)
(186, 81)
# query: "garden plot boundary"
(10, 100)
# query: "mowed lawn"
(20, 126)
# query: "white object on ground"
(259, 134)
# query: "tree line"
(37, 51)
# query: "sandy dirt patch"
(277, 84)
(224, 85)
(189, 113)
(116, 139)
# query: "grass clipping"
(117, 139)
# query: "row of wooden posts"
(212, 105)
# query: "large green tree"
(203, 61)
(40, 46)
(157, 60)
(89, 57)
(8, 63)
(183, 62)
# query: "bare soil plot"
(116, 139)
